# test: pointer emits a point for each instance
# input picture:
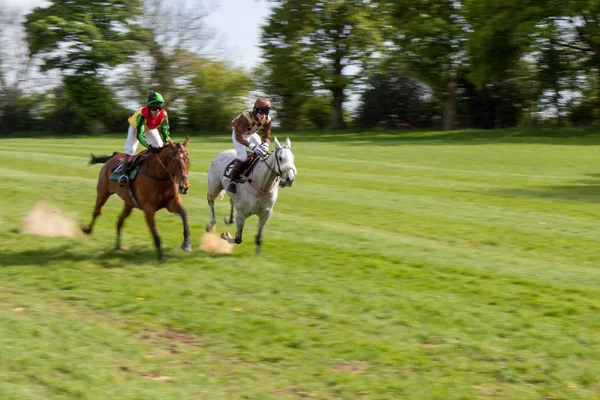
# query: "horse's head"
(284, 162)
(178, 163)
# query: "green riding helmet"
(155, 98)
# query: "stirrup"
(232, 187)
(123, 180)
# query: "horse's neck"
(263, 176)
(155, 168)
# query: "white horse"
(257, 195)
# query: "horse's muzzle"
(184, 185)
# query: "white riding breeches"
(152, 137)
(240, 149)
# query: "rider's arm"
(140, 130)
(164, 127)
(241, 125)
(266, 137)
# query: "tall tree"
(83, 39)
(394, 99)
(431, 37)
(215, 95)
(15, 65)
(317, 42)
(172, 26)
(560, 38)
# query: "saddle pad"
(246, 168)
(116, 175)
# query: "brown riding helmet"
(262, 102)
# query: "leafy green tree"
(287, 83)
(84, 39)
(170, 26)
(394, 99)
(431, 37)
(310, 45)
(315, 113)
(15, 63)
(560, 39)
(215, 95)
(83, 36)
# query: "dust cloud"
(47, 220)
(212, 243)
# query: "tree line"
(400, 64)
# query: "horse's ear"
(277, 145)
(186, 141)
(288, 142)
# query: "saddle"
(134, 167)
(246, 168)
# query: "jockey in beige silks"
(245, 134)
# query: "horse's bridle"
(279, 174)
(171, 155)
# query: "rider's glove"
(265, 147)
(256, 149)
(153, 149)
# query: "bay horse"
(257, 195)
(159, 183)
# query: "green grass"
(425, 265)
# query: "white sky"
(237, 23)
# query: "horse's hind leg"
(102, 195)
(124, 214)
(229, 221)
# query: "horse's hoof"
(228, 221)
(186, 247)
(210, 228)
(86, 229)
(225, 236)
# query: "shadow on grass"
(582, 190)
(106, 258)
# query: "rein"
(170, 178)
(165, 168)
(278, 175)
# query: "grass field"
(460, 265)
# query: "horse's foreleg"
(152, 226)
(240, 219)
(124, 214)
(186, 245)
(176, 207)
(229, 221)
(102, 195)
(262, 220)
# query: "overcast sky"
(237, 23)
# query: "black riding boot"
(235, 176)
(124, 178)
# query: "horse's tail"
(101, 159)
